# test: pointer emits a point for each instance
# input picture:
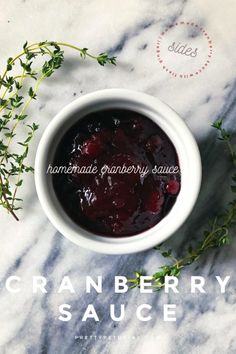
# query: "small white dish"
(168, 120)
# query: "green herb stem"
(13, 110)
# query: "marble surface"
(205, 323)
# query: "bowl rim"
(175, 128)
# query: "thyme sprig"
(13, 106)
(215, 236)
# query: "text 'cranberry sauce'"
(116, 204)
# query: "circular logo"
(184, 50)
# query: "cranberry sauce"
(116, 204)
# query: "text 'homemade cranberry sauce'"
(100, 196)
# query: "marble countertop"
(205, 323)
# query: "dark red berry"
(153, 202)
(93, 147)
(173, 187)
(153, 143)
(120, 140)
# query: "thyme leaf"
(13, 106)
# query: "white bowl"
(169, 122)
